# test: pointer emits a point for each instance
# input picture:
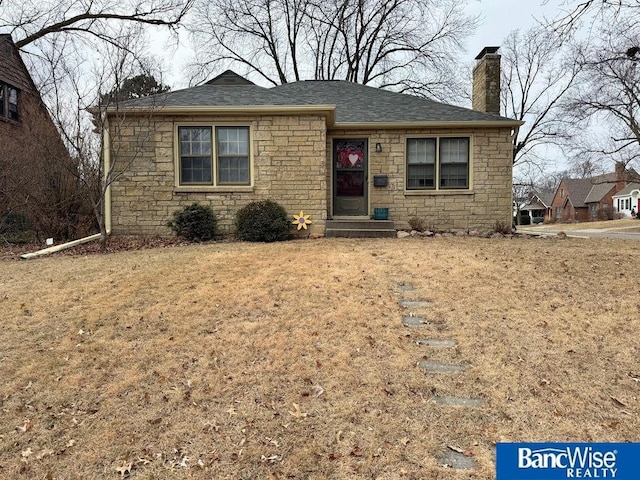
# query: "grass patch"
(207, 361)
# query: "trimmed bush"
(263, 221)
(417, 223)
(196, 223)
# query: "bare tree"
(576, 12)
(29, 21)
(79, 103)
(609, 93)
(400, 44)
(537, 75)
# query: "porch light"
(378, 147)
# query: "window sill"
(214, 189)
(410, 193)
(10, 120)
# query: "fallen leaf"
(26, 453)
(44, 453)
(297, 413)
(455, 449)
(617, 402)
(28, 425)
(124, 470)
(613, 424)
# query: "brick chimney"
(486, 81)
(621, 176)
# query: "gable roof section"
(578, 189)
(229, 77)
(12, 69)
(626, 191)
(352, 104)
(598, 192)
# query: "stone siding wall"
(489, 200)
(289, 166)
(292, 158)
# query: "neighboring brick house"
(335, 149)
(32, 170)
(586, 199)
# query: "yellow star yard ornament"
(302, 220)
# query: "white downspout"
(106, 155)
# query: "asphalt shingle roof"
(598, 191)
(355, 103)
(628, 189)
(578, 189)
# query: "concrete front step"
(360, 229)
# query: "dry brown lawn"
(289, 360)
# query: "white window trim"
(438, 190)
(213, 187)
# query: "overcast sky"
(498, 18)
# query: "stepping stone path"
(457, 460)
(414, 322)
(433, 367)
(432, 342)
(459, 402)
(412, 304)
(450, 458)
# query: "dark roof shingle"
(355, 103)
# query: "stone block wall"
(488, 201)
(292, 164)
(289, 167)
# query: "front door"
(350, 177)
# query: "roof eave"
(431, 124)
(325, 110)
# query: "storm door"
(350, 177)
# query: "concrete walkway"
(618, 233)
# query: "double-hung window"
(440, 163)
(8, 102)
(213, 155)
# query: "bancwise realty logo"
(552, 461)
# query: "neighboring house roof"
(626, 191)
(546, 198)
(12, 69)
(598, 192)
(578, 189)
(534, 206)
(353, 103)
(542, 198)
